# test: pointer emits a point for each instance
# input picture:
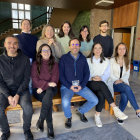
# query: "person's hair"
(92, 54)
(61, 33)
(126, 59)
(13, 36)
(102, 22)
(28, 21)
(39, 58)
(44, 30)
(88, 36)
(74, 38)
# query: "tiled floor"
(132, 124)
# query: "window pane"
(15, 20)
(27, 7)
(47, 8)
(21, 14)
(15, 25)
(27, 15)
(14, 14)
(14, 5)
(21, 6)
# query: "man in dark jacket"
(74, 75)
(14, 80)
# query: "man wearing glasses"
(74, 75)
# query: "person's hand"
(16, 99)
(39, 90)
(75, 88)
(52, 84)
(118, 82)
(11, 101)
(51, 41)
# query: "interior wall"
(61, 15)
(137, 39)
(98, 15)
(125, 16)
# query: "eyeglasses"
(46, 51)
(75, 45)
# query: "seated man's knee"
(65, 103)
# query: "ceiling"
(71, 4)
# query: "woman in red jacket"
(45, 75)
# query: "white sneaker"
(119, 114)
(98, 121)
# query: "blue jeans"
(126, 94)
(67, 94)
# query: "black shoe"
(82, 117)
(28, 135)
(5, 136)
(138, 114)
(40, 125)
(120, 122)
(68, 123)
(50, 133)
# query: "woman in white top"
(64, 36)
(99, 67)
(48, 37)
(120, 71)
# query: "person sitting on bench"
(14, 81)
(45, 75)
(74, 75)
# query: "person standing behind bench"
(74, 75)
(45, 75)
(105, 40)
(14, 81)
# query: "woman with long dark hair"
(99, 67)
(64, 36)
(45, 75)
(86, 41)
(120, 72)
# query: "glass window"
(27, 15)
(21, 6)
(14, 5)
(27, 7)
(15, 25)
(21, 14)
(15, 14)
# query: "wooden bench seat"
(56, 101)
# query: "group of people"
(83, 66)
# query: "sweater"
(27, 43)
(99, 69)
(64, 41)
(86, 47)
(56, 50)
(41, 80)
(107, 44)
(14, 74)
(73, 69)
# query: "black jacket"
(14, 74)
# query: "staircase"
(38, 24)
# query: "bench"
(107, 105)
(56, 101)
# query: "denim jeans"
(126, 94)
(25, 103)
(67, 94)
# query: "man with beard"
(104, 39)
